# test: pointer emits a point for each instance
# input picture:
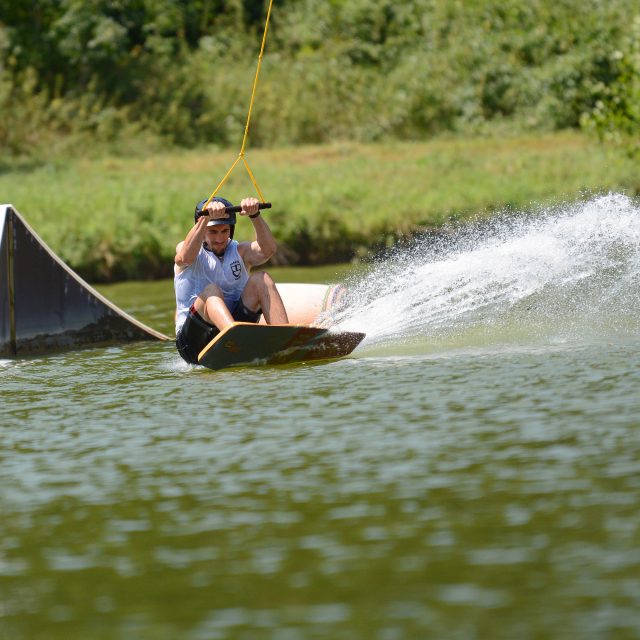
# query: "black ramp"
(5, 317)
(52, 307)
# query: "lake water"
(472, 472)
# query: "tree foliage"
(616, 115)
(181, 72)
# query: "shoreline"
(114, 219)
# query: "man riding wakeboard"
(213, 282)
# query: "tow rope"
(241, 155)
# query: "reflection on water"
(484, 487)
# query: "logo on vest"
(236, 269)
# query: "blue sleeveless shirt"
(228, 272)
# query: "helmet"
(230, 218)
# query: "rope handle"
(238, 208)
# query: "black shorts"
(196, 333)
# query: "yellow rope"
(246, 128)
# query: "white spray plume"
(571, 268)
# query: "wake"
(570, 272)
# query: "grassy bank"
(116, 218)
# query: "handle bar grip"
(238, 208)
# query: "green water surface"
(487, 490)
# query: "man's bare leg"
(261, 293)
(210, 305)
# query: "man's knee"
(256, 291)
(260, 279)
(211, 291)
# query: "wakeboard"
(244, 343)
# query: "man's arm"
(187, 251)
(264, 246)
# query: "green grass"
(115, 218)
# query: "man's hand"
(249, 206)
(214, 211)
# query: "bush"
(616, 115)
(345, 69)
